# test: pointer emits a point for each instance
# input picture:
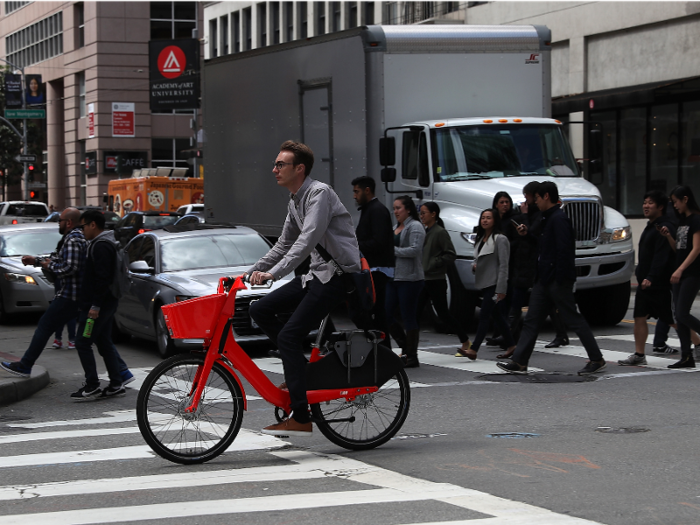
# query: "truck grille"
(586, 217)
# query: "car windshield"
(211, 251)
(494, 151)
(30, 242)
(156, 222)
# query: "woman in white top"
(491, 270)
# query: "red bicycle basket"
(195, 318)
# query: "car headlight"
(19, 278)
(469, 237)
(621, 234)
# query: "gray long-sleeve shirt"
(324, 220)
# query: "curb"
(13, 388)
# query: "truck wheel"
(605, 306)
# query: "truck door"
(415, 162)
(316, 127)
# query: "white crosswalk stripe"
(362, 483)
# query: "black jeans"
(489, 309)
(60, 311)
(542, 299)
(310, 304)
(684, 293)
(435, 291)
(102, 337)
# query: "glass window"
(161, 30)
(262, 25)
(320, 9)
(289, 21)
(335, 16)
(236, 32)
(81, 93)
(162, 10)
(664, 147)
(369, 13)
(248, 28)
(211, 251)
(162, 149)
(608, 187)
(303, 16)
(632, 159)
(133, 249)
(184, 29)
(80, 21)
(32, 243)
(148, 251)
(690, 154)
(213, 39)
(275, 22)
(352, 14)
(223, 21)
(185, 10)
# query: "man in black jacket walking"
(375, 236)
(653, 272)
(554, 286)
(98, 304)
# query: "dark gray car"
(166, 267)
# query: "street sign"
(37, 185)
(25, 113)
(25, 158)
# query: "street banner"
(13, 91)
(174, 74)
(123, 119)
(35, 91)
(91, 121)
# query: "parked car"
(136, 222)
(25, 288)
(17, 212)
(169, 266)
(191, 208)
(190, 218)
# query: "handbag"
(359, 285)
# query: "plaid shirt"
(69, 263)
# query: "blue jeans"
(542, 299)
(60, 311)
(102, 337)
(405, 295)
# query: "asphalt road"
(621, 449)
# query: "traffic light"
(32, 194)
(30, 167)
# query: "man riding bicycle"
(315, 216)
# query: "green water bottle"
(87, 333)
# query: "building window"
(351, 14)
(369, 13)
(390, 13)
(262, 25)
(37, 42)
(335, 16)
(81, 93)
(170, 153)
(82, 172)
(664, 146)
(236, 22)
(320, 8)
(632, 159)
(80, 23)
(14, 6)
(248, 28)
(275, 13)
(288, 21)
(223, 23)
(690, 152)
(213, 40)
(303, 16)
(171, 20)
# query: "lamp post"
(25, 174)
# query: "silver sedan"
(165, 267)
(24, 288)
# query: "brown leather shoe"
(289, 427)
(283, 386)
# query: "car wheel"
(166, 347)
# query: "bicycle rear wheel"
(367, 421)
(188, 438)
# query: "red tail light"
(144, 230)
(15, 221)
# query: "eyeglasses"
(62, 220)
(279, 165)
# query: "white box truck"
(463, 110)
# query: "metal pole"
(25, 176)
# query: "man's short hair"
(659, 198)
(302, 154)
(95, 216)
(531, 188)
(548, 187)
(364, 182)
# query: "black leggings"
(684, 294)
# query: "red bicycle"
(190, 407)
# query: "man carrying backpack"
(98, 304)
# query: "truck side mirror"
(595, 156)
(388, 174)
(387, 153)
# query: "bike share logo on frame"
(534, 59)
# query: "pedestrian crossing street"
(257, 475)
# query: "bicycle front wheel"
(367, 421)
(182, 437)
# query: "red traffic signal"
(30, 167)
(32, 194)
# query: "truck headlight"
(469, 237)
(19, 278)
(621, 234)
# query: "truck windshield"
(493, 151)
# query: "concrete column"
(55, 144)
(576, 134)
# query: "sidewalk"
(14, 388)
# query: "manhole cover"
(512, 435)
(629, 430)
(536, 378)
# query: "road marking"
(384, 486)
(245, 441)
(480, 366)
